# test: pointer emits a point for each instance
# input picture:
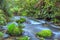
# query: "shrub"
(45, 33)
(24, 38)
(14, 30)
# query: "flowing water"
(32, 27)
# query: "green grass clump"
(24, 38)
(45, 33)
(14, 30)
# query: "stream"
(33, 26)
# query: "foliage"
(48, 10)
(1, 11)
(56, 21)
(1, 34)
(14, 30)
(45, 33)
(19, 6)
(24, 38)
(2, 18)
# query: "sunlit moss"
(24, 38)
(45, 33)
(14, 30)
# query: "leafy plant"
(14, 30)
(24, 38)
(24, 13)
(2, 18)
(45, 33)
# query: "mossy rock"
(22, 20)
(24, 38)
(1, 34)
(45, 34)
(14, 30)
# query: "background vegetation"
(41, 9)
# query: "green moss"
(22, 20)
(17, 31)
(1, 34)
(24, 38)
(14, 30)
(45, 33)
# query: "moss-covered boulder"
(24, 38)
(14, 30)
(22, 20)
(45, 33)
